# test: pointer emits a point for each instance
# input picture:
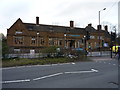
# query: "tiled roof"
(55, 28)
(63, 29)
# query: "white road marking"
(54, 64)
(109, 63)
(48, 76)
(104, 62)
(92, 70)
(114, 64)
(16, 81)
(73, 63)
(66, 63)
(61, 64)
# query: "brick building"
(32, 37)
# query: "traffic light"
(87, 35)
(113, 36)
(102, 43)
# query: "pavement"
(100, 58)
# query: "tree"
(4, 47)
(50, 51)
(118, 39)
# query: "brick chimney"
(99, 27)
(71, 23)
(37, 20)
(90, 25)
(106, 27)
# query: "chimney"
(106, 27)
(99, 27)
(37, 20)
(90, 25)
(71, 23)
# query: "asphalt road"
(96, 74)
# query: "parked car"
(82, 50)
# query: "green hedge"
(22, 62)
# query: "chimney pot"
(71, 23)
(90, 25)
(37, 20)
(106, 28)
(99, 27)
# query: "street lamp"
(99, 14)
(85, 38)
(37, 39)
(99, 27)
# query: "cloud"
(10, 11)
(51, 11)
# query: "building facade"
(32, 37)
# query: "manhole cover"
(113, 83)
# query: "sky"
(59, 12)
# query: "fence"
(27, 55)
(102, 53)
(41, 55)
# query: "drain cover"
(113, 83)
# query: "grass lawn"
(22, 62)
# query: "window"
(30, 27)
(60, 42)
(16, 50)
(100, 37)
(92, 37)
(54, 41)
(33, 40)
(51, 41)
(18, 40)
(18, 32)
(42, 41)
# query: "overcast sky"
(58, 12)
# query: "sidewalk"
(101, 58)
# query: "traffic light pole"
(115, 41)
(111, 50)
(111, 46)
(99, 33)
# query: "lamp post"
(85, 38)
(99, 14)
(37, 43)
(37, 38)
(99, 27)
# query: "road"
(95, 74)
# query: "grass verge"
(23, 62)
